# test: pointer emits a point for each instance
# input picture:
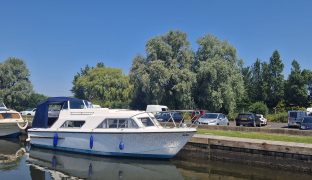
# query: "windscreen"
(210, 116)
(245, 116)
(307, 120)
(293, 114)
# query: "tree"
(102, 85)
(275, 82)
(265, 85)
(164, 76)
(307, 75)
(247, 77)
(256, 81)
(296, 90)
(259, 108)
(34, 100)
(219, 80)
(15, 86)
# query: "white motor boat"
(103, 131)
(11, 122)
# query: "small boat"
(102, 131)
(11, 122)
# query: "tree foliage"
(102, 85)
(219, 80)
(259, 108)
(33, 100)
(296, 90)
(256, 82)
(275, 80)
(307, 75)
(171, 73)
(164, 76)
(15, 86)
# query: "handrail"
(181, 123)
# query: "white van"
(295, 117)
(156, 108)
(309, 111)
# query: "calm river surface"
(39, 164)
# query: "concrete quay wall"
(259, 129)
(275, 154)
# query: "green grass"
(258, 135)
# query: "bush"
(259, 108)
(232, 116)
(279, 117)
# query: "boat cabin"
(49, 110)
(76, 113)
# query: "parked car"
(29, 112)
(53, 113)
(295, 118)
(214, 119)
(197, 114)
(249, 119)
(166, 116)
(309, 111)
(263, 121)
(306, 123)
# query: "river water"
(16, 163)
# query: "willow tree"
(15, 85)
(102, 85)
(164, 75)
(220, 83)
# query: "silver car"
(214, 119)
(263, 121)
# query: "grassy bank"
(258, 135)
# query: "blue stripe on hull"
(83, 151)
(14, 135)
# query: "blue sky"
(57, 38)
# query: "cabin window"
(9, 116)
(146, 121)
(73, 124)
(77, 105)
(118, 123)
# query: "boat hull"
(9, 130)
(144, 144)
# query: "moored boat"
(103, 131)
(11, 122)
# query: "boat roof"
(8, 111)
(41, 117)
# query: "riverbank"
(258, 135)
(255, 152)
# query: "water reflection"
(208, 169)
(43, 164)
(10, 155)
(62, 165)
